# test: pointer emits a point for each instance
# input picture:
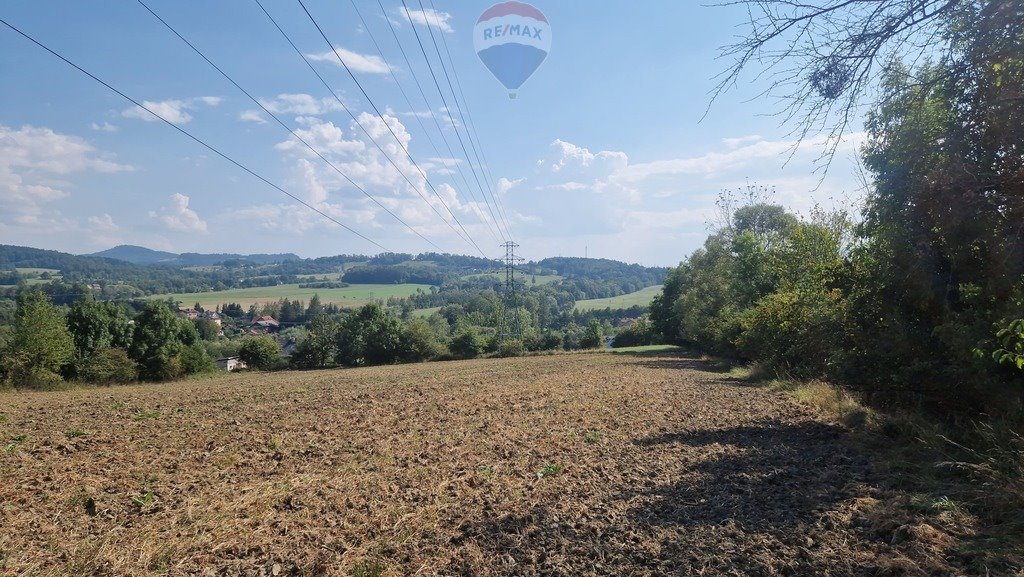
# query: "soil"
(584, 464)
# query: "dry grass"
(967, 479)
(587, 464)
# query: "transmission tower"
(510, 325)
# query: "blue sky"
(603, 151)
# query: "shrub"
(468, 343)
(108, 366)
(794, 332)
(261, 353)
(40, 345)
(642, 333)
(511, 348)
(419, 343)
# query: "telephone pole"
(510, 325)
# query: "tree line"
(923, 295)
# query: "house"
(190, 314)
(231, 364)
(214, 317)
(264, 324)
(628, 323)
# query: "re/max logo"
(512, 30)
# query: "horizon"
(627, 170)
(301, 257)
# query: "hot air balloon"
(512, 39)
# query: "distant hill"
(137, 254)
(148, 256)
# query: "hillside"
(143, 255)
(136, 254)
(586, 464)
(132, 271)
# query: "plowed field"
(588, 464)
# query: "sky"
(602, 153)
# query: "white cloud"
(179, 217)
(505, 184)
(737, 141)
(300, 104)
(324, 137)
(103, 231)
(428, 17)
(173, 111)
(252, 116)
(576, 197)
(105, 127)
(32, 160)
(356, 62)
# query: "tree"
(593, 336)
(371, 336)
(41, 344)
(207, 329)
(315, 307)
(96, 325)
(823, 57)
(164, 346)
(420, 342)
(468, 343)
(108, 366)
(318, 349)
(263, 352)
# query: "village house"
(231, 364)
(264, 324)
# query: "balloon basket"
(511, 95)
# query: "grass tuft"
(15, 441)
(143, 415)
(368, 569)
(550, 470)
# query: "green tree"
(318, 348)
(41, 344)
(164, 346)
(98, 325)
(420, 342)
(108, 366)
(468, 343)
(207, 329)
(315, 307)
(371, 336)
(593, 336)
(262, 352)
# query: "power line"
(419, 120)
(191, 136)
(386, 124)
(355, 119)
(458, 106)
(486, 165)
(283, 124)
(419, 86)
(437, 84)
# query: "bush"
(192, 359)
(419, 343)
(261, 353)
(794, 333)
(40, 345)
(512, 348)
(640, 334)
(468, 343)
(108, 366)
(371, 336)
